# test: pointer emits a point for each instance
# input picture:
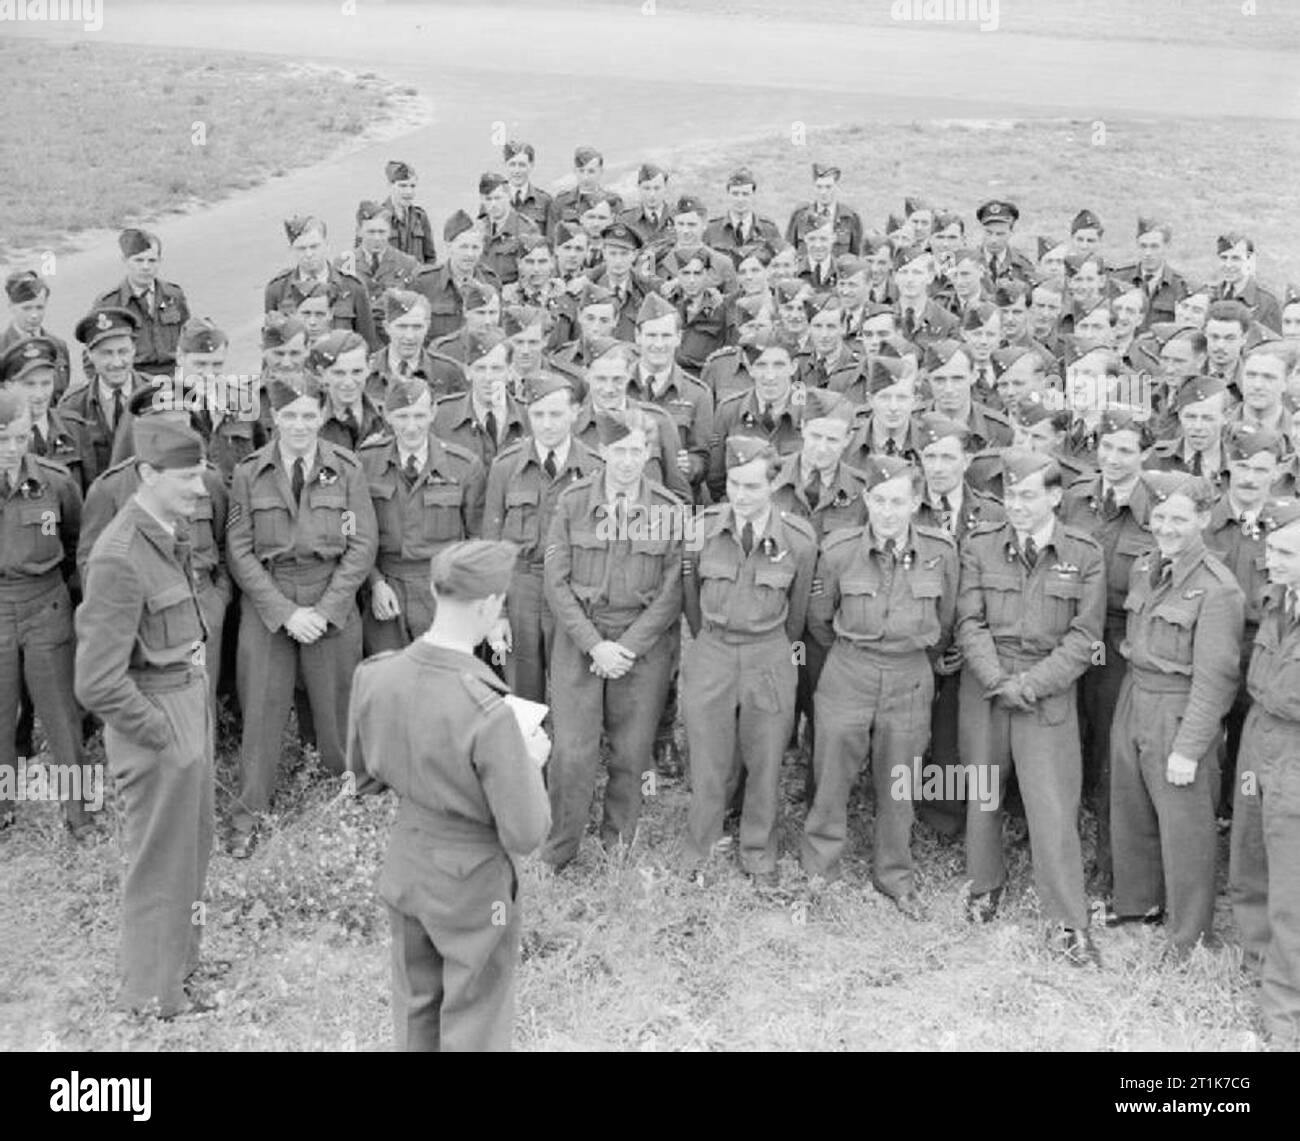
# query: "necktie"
(549, 466)
(519, 197)
(769, 419)
(1229, 291)
(38, 441)
(4, 485)
(403, 369)
(909, 322)
(1161, 572)
(891, 446)
(411, 470)
(813, 492)
(117, 408)
(299, 478)
(747, 538)
(1031, 553)
(349, 420)
(945, 504)
(891, 550)
(490, 425)
(1109, 505)
(374, 264)
(1196, 464)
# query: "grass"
(619, 953)
(1203, 176)
(115, 128)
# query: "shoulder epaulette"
(1081, 536)
(726, 350)
(483, 695)
(840, 535)
(52, 465)
(511, 449)
(459, 451)
(732, 398)
(987, 527)
(799, 525)
(656, 489)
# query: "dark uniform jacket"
(846, 224)
(446, 309)
(1188, 623)
(840, 503)
(62, 440)
(39, 521)
(416, 520)
(412, 232)
(316, 552)
(382, 375)
(1044, 623)
(1263, 305)
(895, 605)
(141, 614)
(84, 415)
(352, 431)
(161, 318)
(1162, 292)
(664, 443)
(521, 497)
(1123, 533)
(396, 270)
(689, 404)
(750, 595)
(625, 590)
(976, 507)
(742, 415)
(722, 235)
(63, 359)
(350, 307)
(454, 423)
(501, 247)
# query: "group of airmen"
(929, 499)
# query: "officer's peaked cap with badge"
(101, 324)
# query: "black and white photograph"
(651, 526)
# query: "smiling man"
(412, 232)
(772, 410)
(28, 295)
(1198, 446)
(1031, 610)
(349, 304)
(1183, 647)
(1237, 280)
(300, 542)
(140, 665)
(340, 363)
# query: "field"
(114, 133)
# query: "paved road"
(634, 85)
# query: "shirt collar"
(1042, 537)
(421, 454)
(1123, 492)
(169, 528)
(761, 523)
(287, 460)
(561, 452)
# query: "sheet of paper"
(529, 714)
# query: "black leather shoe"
(982, 908)
(1151, 918)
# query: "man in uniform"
(740, 231)
(1265, 370)
(659, 379)
(140, 666)
(1030, 613)
(588, 170)
(773, 410)
(884, 425)
(427, 494)
(412, 232)
(650, 218)
(99, 406)
(486, 419)
(921, 319)
(828, 361)
(404, 357)
(745, 593)
(607, 379)
(825, 208)
(1001, 259)
(950, 373)
(1270, 744)
(1198, 446)
(1237, 280)
(1152, 273)
(1183, 646)
(528, 199)
(40, 511)
(613, 568)
(1112, 506)
(481, 307)
(444, 286)
(689, 217)
(205, 525)
(31, 368)
(524, 482)
(28, 295)
(340, 362)
(471, 800)
(885, 605)
(300, 542)
(349, 302)
(503, 226)
(159, 306)
(378, 263)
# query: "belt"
(160, 681)
(16, 587)
(873, 651)
(406, 569)
(1154, 681)
(444, 825)
(303, 570)
(743, 637)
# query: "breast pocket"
(587, 555)
(861, 606)
(1003, 601)
(203, 536)
(1171, 629)
(926, 590)
(772, 589)
(1062, 603)
(326, 507)
(272, 528)
(171, 619)
(520, 524)
(441, 520)
(344, 311)
(41, 530)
